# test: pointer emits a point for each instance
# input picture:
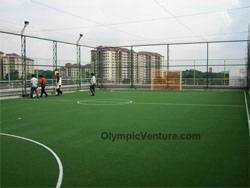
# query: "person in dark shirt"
(43, 82)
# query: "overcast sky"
(120, 22)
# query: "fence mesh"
(248, 73)
(221, 65)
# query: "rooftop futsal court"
(124, 94)
(126, 139)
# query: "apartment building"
(112, 65)
(149, 63)
(11, 63)
(71, 71)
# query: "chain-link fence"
(41, 56)
(203, 65)
(248, 76)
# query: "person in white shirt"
(92, 84)
(34, 86)
(58, 84)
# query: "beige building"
(148, 64)
(112, 65)
(71, 71)
(11, 63)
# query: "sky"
(125, 22)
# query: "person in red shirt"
(43, 82)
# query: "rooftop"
(12, 55)
(113, 49)
(149, 53)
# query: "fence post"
(54, 61)
(248, 61)
(132, 67)
(9, 73)
(224, 75)
(100, 66)
(207, 65)
(168, 54)
(54, 54)
(94, 58)
(167, 57)
(194, 74)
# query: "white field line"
(128, 101)
(46, 99)
(189, 104)
(9, 97)
(60, 166)
(248, 118)
(96, 102)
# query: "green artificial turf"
(220, 158)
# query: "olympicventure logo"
(145, 136)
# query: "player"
(92, 84)
(43, 82)
(34, 86)
(58, 84)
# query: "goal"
(166, 80)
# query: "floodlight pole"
(23, 56)
(78, 56)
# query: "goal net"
(166, 80)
